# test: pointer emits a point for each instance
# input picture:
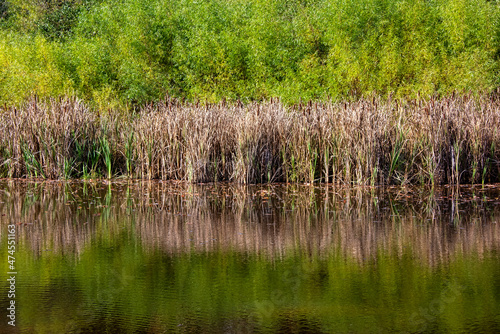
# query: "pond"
(168, 257)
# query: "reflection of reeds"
(451, 140)
(274, 220)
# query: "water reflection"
(153, 257)
(176, 217)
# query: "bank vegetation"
(125, 53)
(370, 141)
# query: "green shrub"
(130, 52)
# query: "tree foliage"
(134, 51)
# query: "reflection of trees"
(275, 220)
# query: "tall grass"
(435, 141)
(60, 139)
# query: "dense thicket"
(117, 52)
(451, 140)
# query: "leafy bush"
(129, 52)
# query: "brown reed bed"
(438, 141)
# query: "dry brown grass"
(450, 140)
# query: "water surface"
(153, 257)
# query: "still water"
(153, 257)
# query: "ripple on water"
(150, 257)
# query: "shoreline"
(452, 140)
